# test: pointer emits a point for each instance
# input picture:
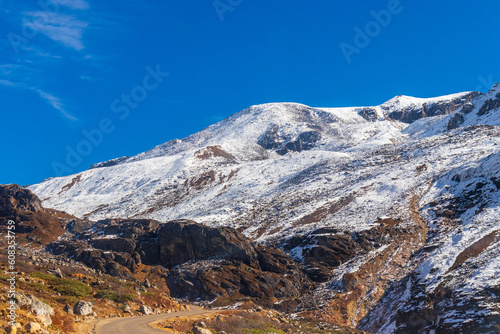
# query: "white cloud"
(86, 78)
(55, 102)
(7, 83)
(62, 28)
(73, 4)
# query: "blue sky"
(71, 70)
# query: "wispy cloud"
(74, 4)
(52, 100)
(86, 78)
(7, 83)
(62, 28)
(64, 23)
(55, 102)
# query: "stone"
(68, 309)
(199, 330)
(147, 284)
(42, 311)
(56, 272)
(83, 308)
(146, 310)
(33, 327)
(21, 299)
(11, 329)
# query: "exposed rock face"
(370, 114)
(489, 105)
(109, 163)
(455, 122)
(32, 222)
(413, 113)
(15, 198)
(182, 242)
(272, 140)
(204, 262)
(325, 249)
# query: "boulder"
(42, 311)
(11, 329)
(68, 309)
(56, 272)
(21, 299)
(146, 310)
(83, 308)
(199, 330)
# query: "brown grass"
(62, 321)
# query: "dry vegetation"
(250, 322)
(109, 295)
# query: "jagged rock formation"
(199, 261)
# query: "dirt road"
(135, 325)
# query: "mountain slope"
(392, 209)
(196, 177)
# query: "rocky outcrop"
(202, 262)
(489, 105)
(32, 221)
(370, 114)
(455, 121)
(183, 241)
(109, 163)
(325, 249)
(272, 140)
(413, 113)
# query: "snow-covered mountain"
(275, 163)
(421, 176)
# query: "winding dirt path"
(135, 325)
